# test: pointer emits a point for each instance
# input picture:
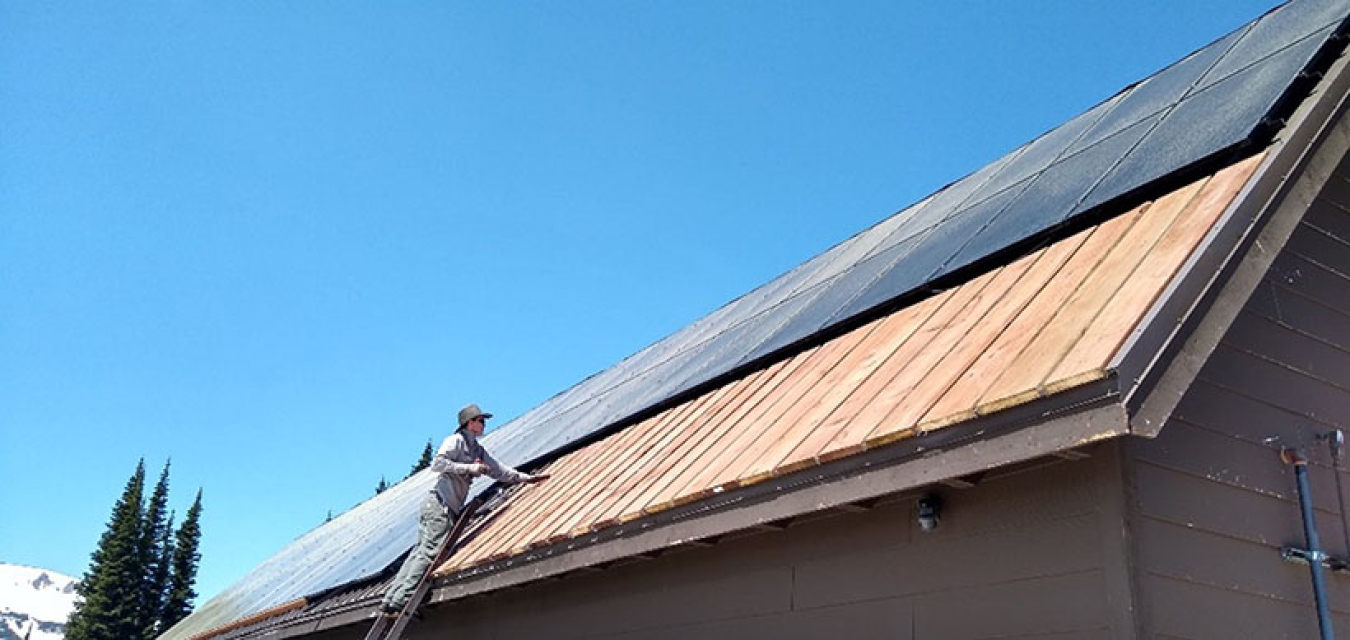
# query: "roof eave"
(1074, 418)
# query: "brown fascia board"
(1161, 359)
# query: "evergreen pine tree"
(165, 548)
(379, 488)
(154, 535)
(111, 586)
(422, 462)
(183, 573)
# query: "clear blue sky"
(282, 243)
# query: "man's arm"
(507, 475)
(444, 460)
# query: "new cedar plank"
(749, 425)
(826, 397)
(715, 434)
(474, 548)
(780, 420)
(618, 482)
(926, 363)
(561, 489)
(1011, 290)
(563, 492)
(660, 474)
(687, 429)
(810, 405)
(873, 375)
(691, 460)
(725, 437)
(1110, 322)
(1084, 305)
(583, 487)
(630, 476)
(761, 426)
(960, 401)
(604, 476)
(485, 544)
(478, 548)
(1104, 337)
(622, 483)
(850, 438)
(1043, 312)
(975, 355)
(514, 506)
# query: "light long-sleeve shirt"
(455, 464)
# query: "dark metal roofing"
(1225, 96)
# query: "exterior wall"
(1021, 556)
(1212, 503)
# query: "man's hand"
(537, 478)
(479, 468)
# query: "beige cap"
(470, 412)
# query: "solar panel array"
(1210, 101)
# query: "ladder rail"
(399, 622)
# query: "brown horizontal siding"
(1184, 609)
(1046, 322)
(1026, 546)
(1213, 502)
(1230, 563)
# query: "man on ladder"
(458, 461)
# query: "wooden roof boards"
(1042, 324)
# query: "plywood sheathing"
(1047, 322)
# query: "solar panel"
(1188, 134)
(821, 303)
(947, 201)
(1040, 153)
(1208, 102)
(1275, 31)
(1159, 92)
(1053, 194)
(919, 266)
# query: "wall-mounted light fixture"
(930, 511)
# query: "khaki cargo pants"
(432, 525)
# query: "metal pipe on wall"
(1316, 556)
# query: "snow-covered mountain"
(34, 603)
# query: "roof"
(1043, 324)
(887, 333)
